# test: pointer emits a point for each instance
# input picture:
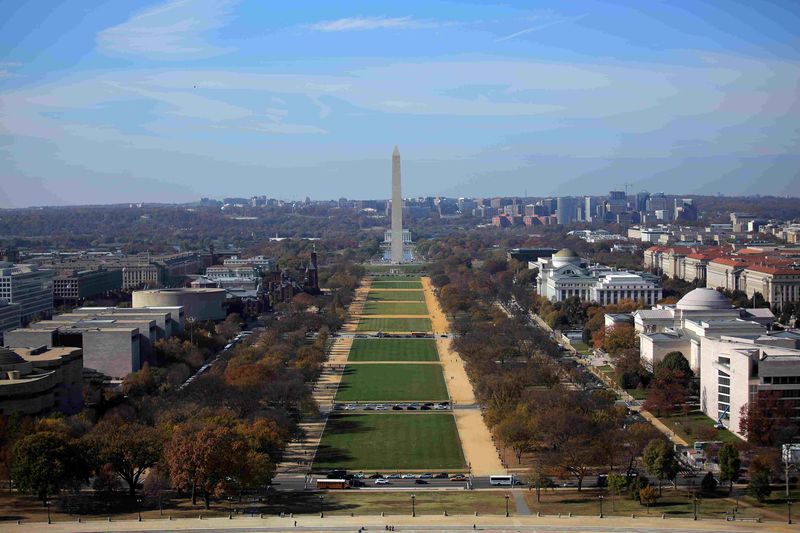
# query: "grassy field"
(392, 383)
(399, 296)
(674, 503)
(395, 308)
(405, 269)
(393, 350)
(391, 441)
(396, 285)
(394, 324)
(697, 426)
(15, 506)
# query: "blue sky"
(120, 101)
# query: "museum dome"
(704, 299)
(565, 256)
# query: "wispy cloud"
(371, 23)
(176, 29)
(538, 27)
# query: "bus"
(502, 480)
(327, 484)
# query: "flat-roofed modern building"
(40, 380)
(115, 341)
(9, 317)
(78, 285)
(29, 287)
(198, 303)
(737, 369)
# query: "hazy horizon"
(170, 101)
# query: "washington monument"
(397, 210)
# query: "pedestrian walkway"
(486, 523)
(299, 453)
(476, 440)
(519, 501)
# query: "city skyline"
(153, 102)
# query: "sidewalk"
(408, 523)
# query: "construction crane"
(625, 187)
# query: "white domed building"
(701, 313)
(565, 274)
(732, 350)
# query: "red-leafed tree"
(766, 419)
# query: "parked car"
(408, 476)
(376, 476)
(458, 477)
(426, 476)
(441, 475)
(393, 476)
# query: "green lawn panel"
(395, 308)
(399, 296)
(393, 350)
(392, 383)
(390, 441)
(394, 324)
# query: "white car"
(381, 407)
(408, 476)
(381, 481)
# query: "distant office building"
(264, 263)
(685, 209)
(168, 270)
(566, 210)
(589, 208)
(641, 201)
(740, 221)
(616, 203)
(78, 285)
(39, 380)
(29, 287)
(657, 202)
(530, 254)
(10, 317)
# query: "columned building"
(565, 274)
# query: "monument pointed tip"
(396, 150)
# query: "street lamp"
(321, 507)
(600, 499)
(789, 505)
(507, 515)
(47, 503)
(139, 508)
(695, 507)
(230, 507)
(413, 507)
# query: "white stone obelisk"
(397, 210)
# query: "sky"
(169, 101)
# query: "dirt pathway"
(299, 453)
(476, 440)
